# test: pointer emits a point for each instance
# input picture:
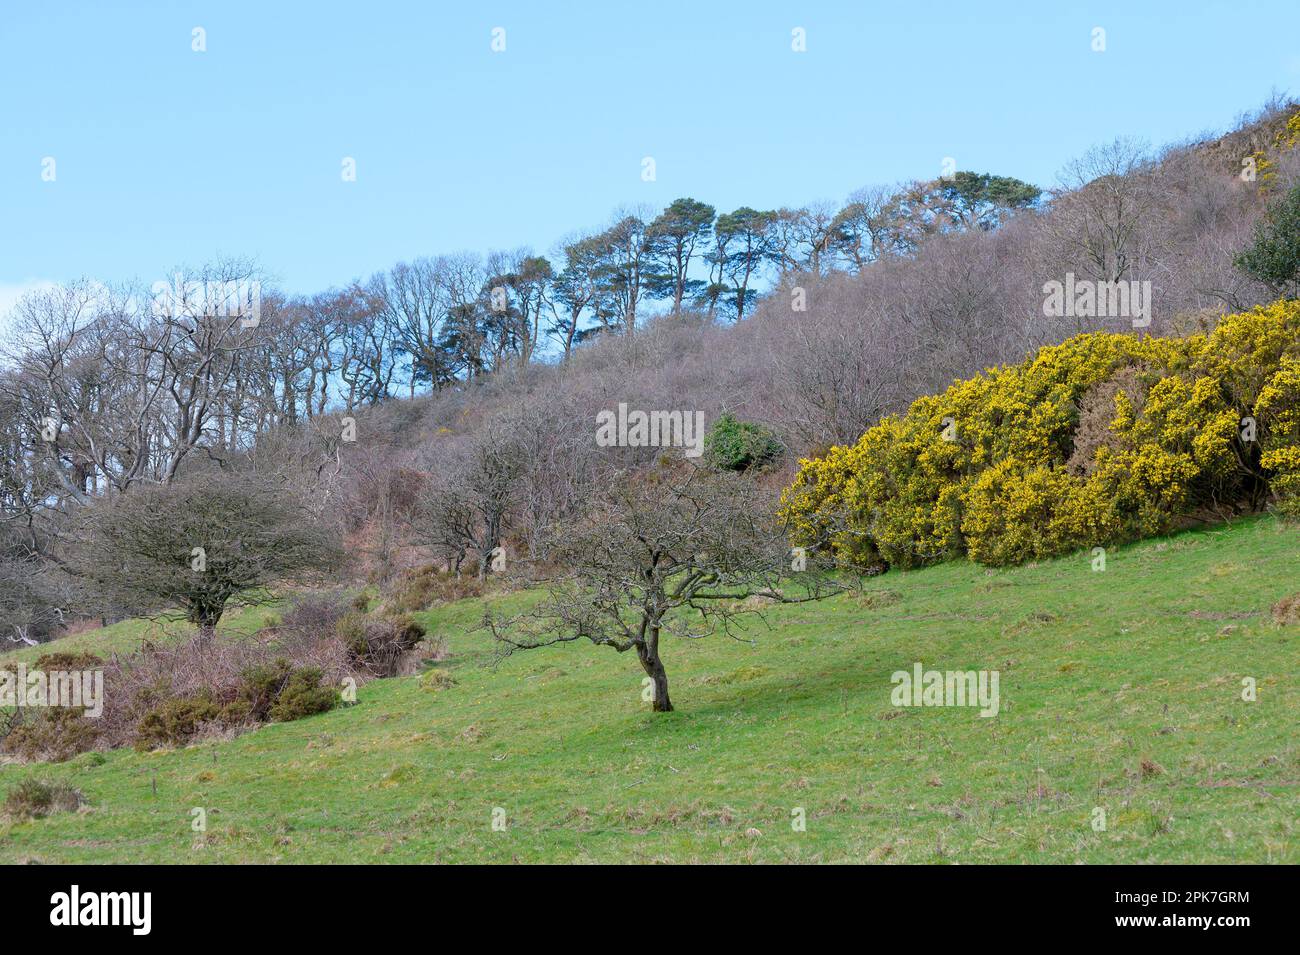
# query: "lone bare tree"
(196, 543)
(678, 552)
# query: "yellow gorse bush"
(981, 470)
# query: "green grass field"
(1101, 673)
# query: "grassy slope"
(1099, 671)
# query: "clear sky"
(164, 156)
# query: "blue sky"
(165, 156)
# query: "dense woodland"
(442, 411)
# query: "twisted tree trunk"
(648, 654)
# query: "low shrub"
(423, 587)
(351, 631)
(875, 599)
(277, 692)
(261, 685)
(380, 645)
(281, 692)
(302, 695)
(35, 799)
(407, 631)
(52, 734)
(64, 660)
(735, 445)
(436, 679)
(179, 720)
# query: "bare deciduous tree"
(678, 552)
(467, 502)
(1100, 217)
(839, 367)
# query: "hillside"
(1119, 689)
